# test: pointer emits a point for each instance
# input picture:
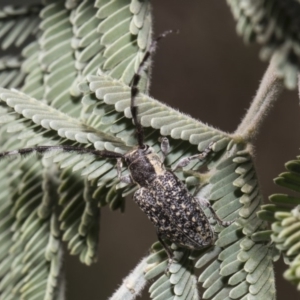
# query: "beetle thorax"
(144, 165)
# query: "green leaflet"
(29, 232)
(181, 283)
(116, 94)
(79, 219)
(111, 37)
(226, 167)
(49, 118)
(53, 65)
(238, 266)
(231, 271)
(273, 24)
(56, 55)
(10, 73)
(100, 44)
(285, 217)
(18, 24)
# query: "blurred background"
(208, 72)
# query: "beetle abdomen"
(175, 213)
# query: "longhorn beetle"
(174, 211)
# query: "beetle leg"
(119, 167)
(126, 178)
(205, 203)
(186, 160)
(164, 146)
(171, 258)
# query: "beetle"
(176, 214)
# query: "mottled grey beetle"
(176, 214)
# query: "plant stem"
(133, 284)
(299, 86)
(268, 92)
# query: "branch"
(268, 92)
(133, 284)
(299, 85)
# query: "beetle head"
(138, 153)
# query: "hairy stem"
(133, 284)
(268, 92)
(299, 86)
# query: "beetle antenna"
(64, 148)
(135, 90)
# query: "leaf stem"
(268, 92)
(133, 284)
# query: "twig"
(299, 86)
(268, 92)
(133, 284)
